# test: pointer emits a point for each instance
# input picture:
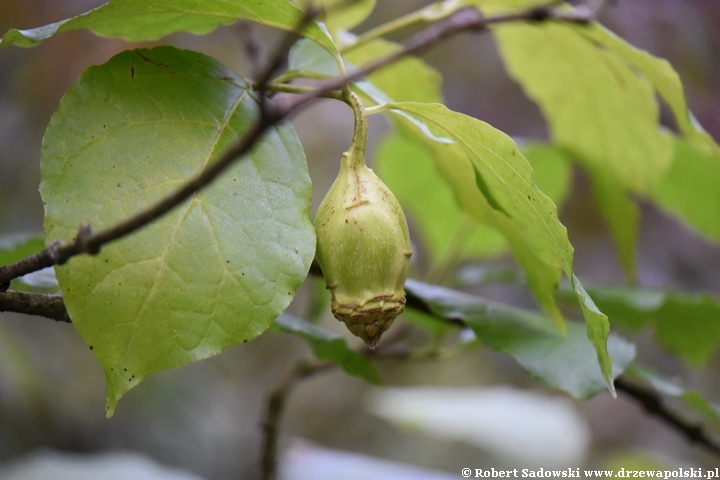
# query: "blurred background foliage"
(205, 418)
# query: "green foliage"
(215, 271)
(450, 235)
(689, 188)
(566, 362)
(220, 268)
(143, 20)
(329, 346)
(687, 324)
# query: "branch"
(654, 405)
(275, 406)
(40, 304)
(466, 19)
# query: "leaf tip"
(611, 388)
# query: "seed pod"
(363, 246)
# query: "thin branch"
(467, 19)
(275, 407)
(39, 304)
(654, 405)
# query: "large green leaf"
(600, 108)
(143, 20)
(566, 362)
(212, 273)
(406, 165)
(328, 345)
(485, 164)
(595, 102)
(689, 189)
(687, 324)
(505, 178)
(452, 165)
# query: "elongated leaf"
(598, 328)
(455, 168)
(691, 398)
(144, 20)
(687, 324)
(504, 177)
(215, 271)
(406, 165)
(689, 189)
(536, 236)
(622, 216)
(568, 363)
(599, 108)
(661, 75)
(596, 104)
(328, 345)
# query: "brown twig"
(39, 304)
(654, 405)
(275, 407)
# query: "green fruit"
(363, 246)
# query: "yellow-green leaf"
(216, 270)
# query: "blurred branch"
(654, 405)
(275, 406)
(252, 45)
(86, 241)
